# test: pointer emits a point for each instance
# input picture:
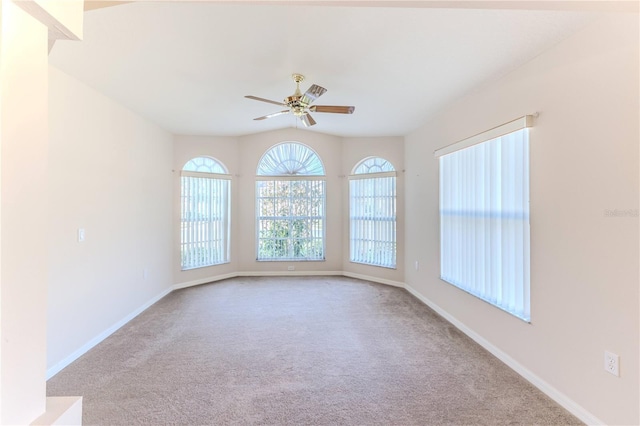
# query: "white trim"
(268, 178)
(214, 278)
(106, 333)
(373, 175)
(559, 397)
(287, 273)
(374, 279)
(501, 130)
(205, 175)
(204, 281)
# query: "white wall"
(23, 133)
(110, 173)
(584, 265)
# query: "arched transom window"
(290, 200)
(290, 159)
(204, 165)
(372, 213)
(204, 231)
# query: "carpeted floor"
(298, 351)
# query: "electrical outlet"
(145, 273)
(291, 268)
(612, 363)
(417, 265)
(81, 235)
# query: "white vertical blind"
(372, 213)
(204, 235)
(484, 221)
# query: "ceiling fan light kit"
(299, 103)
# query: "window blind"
(484, 220)
(204, 213)
(372, 201)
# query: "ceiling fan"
(300, 104)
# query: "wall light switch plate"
(81, 235)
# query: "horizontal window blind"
(484, 221)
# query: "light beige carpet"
(298, 351)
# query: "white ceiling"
(188, 65)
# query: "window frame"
(497, 215)
(218, 225)
(317, 178)
(375, 179)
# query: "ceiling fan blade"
(333, 109)
(255, 98)
(275, 114)
(313, 93)
(307, 120)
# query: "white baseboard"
(204, 281)
(287, 273)
(214, 278)
(559, 397)
(100, 337)
(373, 279)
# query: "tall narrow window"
(372, 213)
(484, 220)
(290, 201)
(204, 234)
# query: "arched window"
(372, 213)
(290, 200)
(204, 232)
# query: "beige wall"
(24, 30)
(241, 156)
(355, 150)
(110, 173)
(584, 265)
(252, 148)
(225, 150)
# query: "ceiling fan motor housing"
(298, 107)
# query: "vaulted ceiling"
(188, 65)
